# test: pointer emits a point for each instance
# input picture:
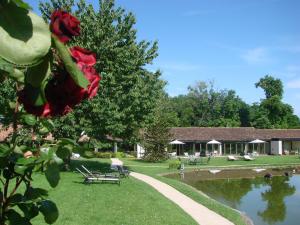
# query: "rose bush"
(61, 92)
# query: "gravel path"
(116, 162)
(198, 212)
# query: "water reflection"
(264, 200)
(230, 191)
(274, 196)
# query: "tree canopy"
(271, 86)
(205, 106)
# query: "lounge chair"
(97, 173)
(173, 154)
(192, 160)
(92, 177)
(122, 171)
(248, 158)
(231, 158)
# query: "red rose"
(42, 111)
(83, 56)
(64, 25)
(63, 93)
(94, 78)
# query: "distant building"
(234, 141)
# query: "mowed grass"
(133, 202)
(156, 169)
(260, 161)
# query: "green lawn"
(133, 202)
(156, 169)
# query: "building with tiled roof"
(234, 140)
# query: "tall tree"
(271, 86)
(156, 135)
(272, 112)
(128, 90)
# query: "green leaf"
(64, 152)
(57, 160)
(25, 38)
(14, 73)
(4, 150)
(71, 67)
(20, 169)
(15, 218)
(49, 210)
(16, 198)
(67, 141)
(18, 150)
(30, 210)
(38, 74)
(22, 4)
(44, 130)
(52, 174)
(36, 95)
(29, 119)
(48, 123)
(35, 193)
(26, 161)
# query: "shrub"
(119, 155)
(174, 164)
(106, 155)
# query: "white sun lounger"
(231, 158)
(90, 177)
(248, 158)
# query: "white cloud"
(256, 55)
(293, 84)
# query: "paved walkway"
(198, 212)
(116, 162)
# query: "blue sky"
(233, 42)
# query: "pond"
(266, 201)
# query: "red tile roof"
(232, 133)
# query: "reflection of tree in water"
(276, 209)
(230, 190)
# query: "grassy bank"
(156, 169)
(131, 203)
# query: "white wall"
(276, 147)
(139, 151)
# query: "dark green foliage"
(207, 107)
(7, 97)
(271, 86)
(204, 106)
(156, 136)
(105, 155)
(108, 155)
(272, 112)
